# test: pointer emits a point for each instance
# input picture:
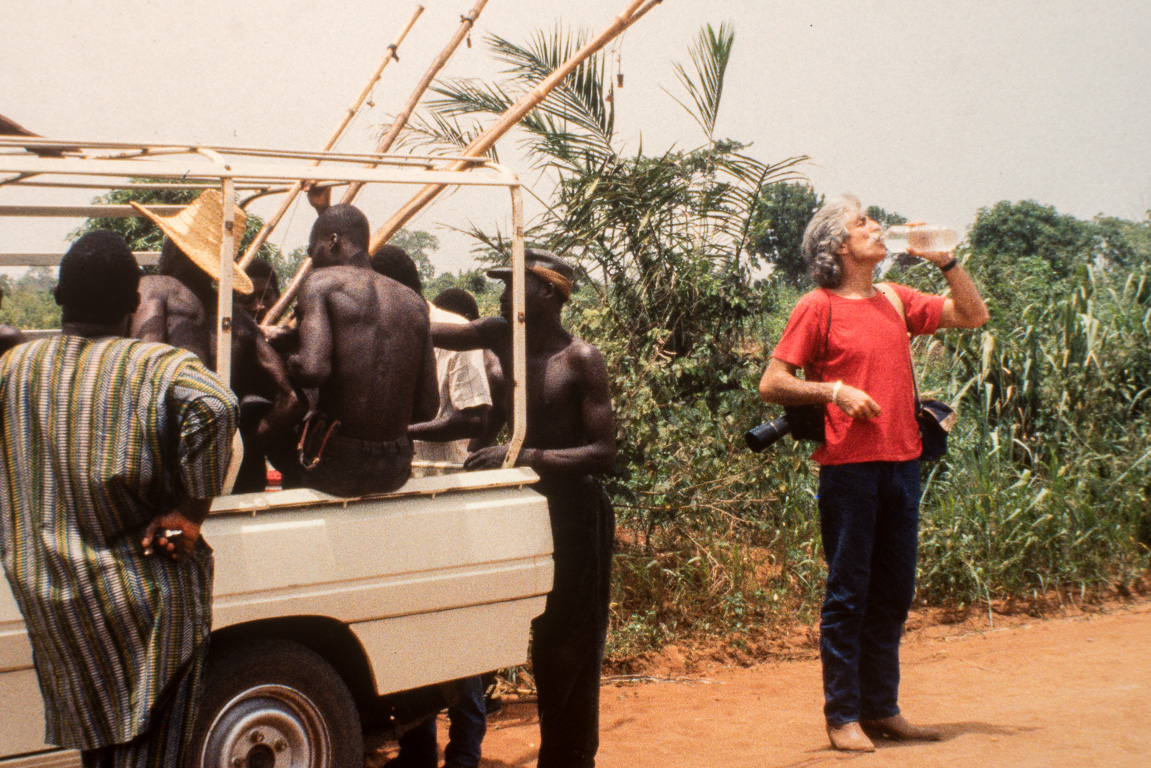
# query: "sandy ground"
(1069, 692)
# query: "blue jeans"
(467, 725)
(869, 516)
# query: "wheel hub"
(268, 726)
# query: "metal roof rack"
(59, 165)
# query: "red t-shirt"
(864, 346)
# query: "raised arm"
(964, 308)
(485, 333)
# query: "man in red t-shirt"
(851, 338)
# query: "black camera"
(802, 422)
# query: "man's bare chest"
(552, 387)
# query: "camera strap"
(826, 338)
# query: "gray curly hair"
(825, 233)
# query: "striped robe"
(99, 436)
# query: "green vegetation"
(690, 261)
(1046, 485)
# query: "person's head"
(99, 280)
(548, 282)
(175, 263)
(838, 230)
(394, 262)
(459, 301)
(266, 288)
(194, 239)
(339, 233)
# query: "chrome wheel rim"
(268, 726)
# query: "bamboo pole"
(466, 24)
(482, 143)
(349, 114)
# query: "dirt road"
(1069, 692)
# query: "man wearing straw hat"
(570, 439)
(365, 346)
(111, 452)
(178, 307)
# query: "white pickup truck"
(330, 615)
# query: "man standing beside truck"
(112, 451)
(570, 438)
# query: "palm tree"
(664, 236)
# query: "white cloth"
(463, 384)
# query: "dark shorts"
(353, 467)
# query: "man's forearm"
(455, 425)
(583, 460)
(970, 310)
(781, 386)
(196, 510)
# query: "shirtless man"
(570, 437)
(178, 307)
(365, 345)
(265, 288)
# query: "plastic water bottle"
(924, 237)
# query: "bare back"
(365, 343)
(171, 313)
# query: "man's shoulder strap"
(893, 297)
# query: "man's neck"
(93, 330)
(546, 336)
(358, 258)
(857, 280)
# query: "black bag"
(935, 420)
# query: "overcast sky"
(930, 109)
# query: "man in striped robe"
(111, 452)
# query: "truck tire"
(272, 703)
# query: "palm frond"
(441, 133)
(710, 56)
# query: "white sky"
(931, 109)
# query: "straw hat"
(196, 231)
